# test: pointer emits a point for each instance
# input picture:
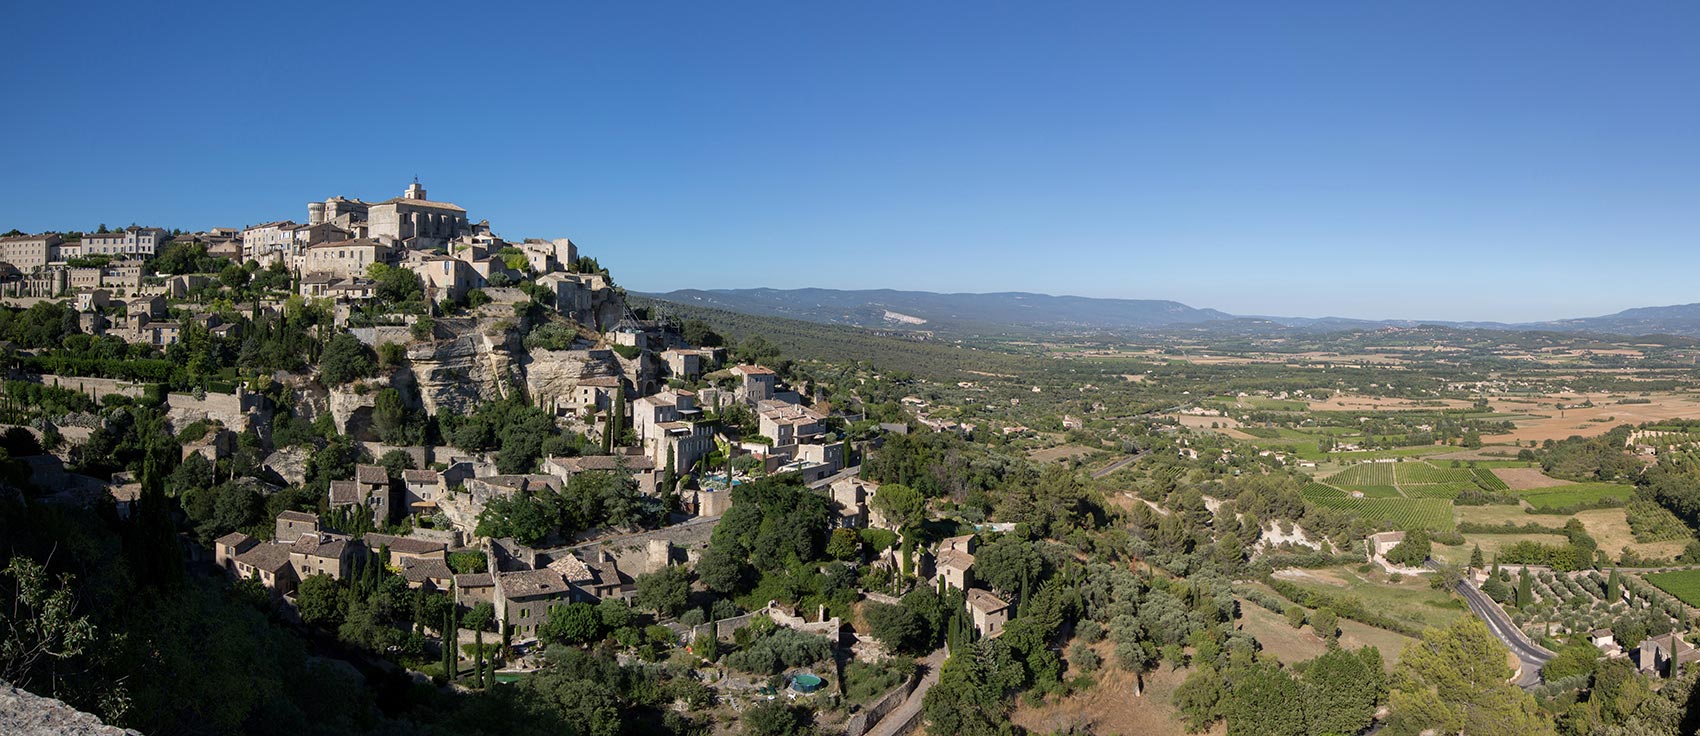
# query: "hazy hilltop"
(1022, 312)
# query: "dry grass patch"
(1610, 528)
(1522, 479)
(1110, 706)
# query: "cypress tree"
(478, 658)
(1612, 587)
(1476, 558)
(1525, 590)
(448, 651)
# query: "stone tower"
(414, 191)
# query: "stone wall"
(233, 410)
(865, 719)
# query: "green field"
(1575, 494)
(1491, 481)
(1364, 474)
(1684, 584)
(1423, 473)
(1447, 491)
(1314, 491)
(1403, 513)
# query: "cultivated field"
(1522, 479)
(1580, 420)
(1684, 584)
(1575, 494)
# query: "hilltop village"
(387, 471)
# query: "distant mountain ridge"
(925, 310)
(1022, 312)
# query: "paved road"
(905, 717)
(1531, 654)
(1115, 466)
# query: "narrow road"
(905, 717)
(1531, 654)
(1115, 466)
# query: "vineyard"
(1365, 474)
(1403, 513)
(1421, 473)
(1684, 584)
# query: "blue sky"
(1418, 160)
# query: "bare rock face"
(290, 464)
(551, 376)
(473, 367)
(26, 714)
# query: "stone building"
(345, 259)
(132, 242)
(29, 252)
(415, 221)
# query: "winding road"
(1532, 655)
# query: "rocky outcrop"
(552, 376)
(472, 366)
(25, 714)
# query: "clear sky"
(1444, 160)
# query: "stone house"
(421, 489)
(989, 612)
(850, 498)
(346, 259)
(227, 547)
(955, 568)
(759, 382)
(428, 574)
(269, 563)
(323, 553)
(442, 276)
(788, 424)
(293, 524)
(1379, 544)
(474, 588)
(522, 599)
(689, 363)
(404, 549)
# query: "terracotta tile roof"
(297, 516)
(233, 539)
(373, 474)
(268, 556)
(322, 544)
(955, 560)
(421, 476)
(403, 545)
(572, 569)
(985, 602)
(474, 580)
(419, 571)
(526, 583)
(346, 492)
